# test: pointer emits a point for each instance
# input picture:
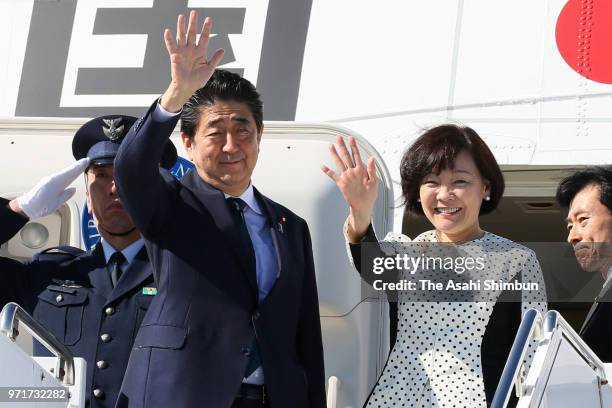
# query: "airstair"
(564, 373)
(30, 382)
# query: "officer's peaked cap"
(99, 140)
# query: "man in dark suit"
(236, 319)
(588, 195)
(92, 302)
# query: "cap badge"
(114, 130)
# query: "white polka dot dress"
(436, 360)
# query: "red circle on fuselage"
(584, 38)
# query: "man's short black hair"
(600, 176)
(222, 86)
(436, 150)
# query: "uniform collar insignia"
(113, 129)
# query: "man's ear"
(187, 144)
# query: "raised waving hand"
(189, 67)
(356, 181)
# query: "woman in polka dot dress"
(446, 353)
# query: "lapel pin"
(280, 223)
(149, 291)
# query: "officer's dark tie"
(237, 207)
(115, 262)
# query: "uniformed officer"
(93, 302)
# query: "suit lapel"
(136, 273)
(606, 288)
(95, 267)
(588, 317)
(214, 201)
(279, 232)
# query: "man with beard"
(588, 195)
(93, 302)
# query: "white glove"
(52, 191)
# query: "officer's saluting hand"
(42, 199)
(50, 192)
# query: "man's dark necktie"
(115, 264)
(237, 207)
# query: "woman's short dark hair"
(436, 150)
(600, 176)
(222, 86)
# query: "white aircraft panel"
(375, 57)
(499, 56)
(562, 137)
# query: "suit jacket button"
(106, 337)
(256, 315)
(59, 299)
(246, 351)
(109, 311)
(98, 393)
(102, 364)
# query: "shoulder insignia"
(58, 254)
(66, 283)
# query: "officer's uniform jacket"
(194, 344)
(73, 297)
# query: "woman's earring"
(488, 198)
(418, 200)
